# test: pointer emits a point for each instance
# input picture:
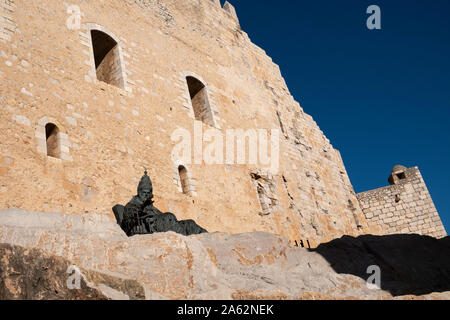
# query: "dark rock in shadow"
(33, 274)
(410, 264)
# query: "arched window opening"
(200, 101)
(184, 180)
(52, 138)
(107, 59)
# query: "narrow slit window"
(52, 139)
(107, 59)
(184, 179)
(200, 101)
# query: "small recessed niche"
(184, 179)
(52, 138)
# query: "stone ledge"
(218, 265)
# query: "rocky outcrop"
(31, 274)
(223, 266)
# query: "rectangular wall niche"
(266, 189)
(107, 59)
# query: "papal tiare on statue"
(139, 216)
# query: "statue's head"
(145, 188)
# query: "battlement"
(403, 207)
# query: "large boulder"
(216, 265)
(31, 274)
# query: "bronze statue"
(139, 216)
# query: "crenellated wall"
(405, 206)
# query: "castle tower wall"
(109, 133)
(405, 206)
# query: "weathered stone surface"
(405, 206)
(31, 274)
(223, 266)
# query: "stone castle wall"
(404, 207)
(109, 133)
(7, 25)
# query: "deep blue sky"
(382, 97)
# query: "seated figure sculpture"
(139, 216)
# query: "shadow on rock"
(32, 274)
(410, 264)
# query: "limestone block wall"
(7, 23)
(109, 134)
(404, 207)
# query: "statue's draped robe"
(134, 217)
(143, 218)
